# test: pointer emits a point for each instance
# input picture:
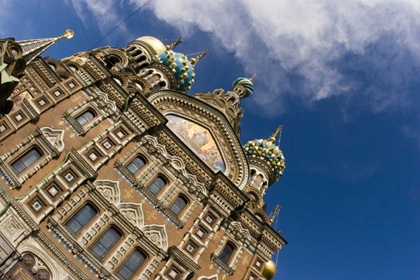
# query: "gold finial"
(195, 60)
(272, 138)
(252, 78)
(68, 34)
(269, 270)
(174, 44)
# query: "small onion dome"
(268, 152)
(182, 68)
(246, 83)
(154, 43)
(269, 270)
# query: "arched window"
(227, 252)
(157, 185)
(82, 217)
(111, 60)
(26, 160)
(106, 242)
(85, 117)
(179, 204)
(252, 172)
(132, 264)
(136, 52)
(136, 164)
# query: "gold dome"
(269, 270)
(154, 43)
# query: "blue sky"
(342, 78)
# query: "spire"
(194, 61)
(252, 77)
(174, 44)
(35, 47)
(274, 214)
(273, 137)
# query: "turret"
(14, 57)
(267, 164)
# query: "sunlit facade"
(109, 169)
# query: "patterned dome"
(246, 83)
(180, 66)
(268, 152)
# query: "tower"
(109, 169)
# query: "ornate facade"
(110, 170)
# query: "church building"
(111, 168)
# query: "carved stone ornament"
(169, 102)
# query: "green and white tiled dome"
(268, 152)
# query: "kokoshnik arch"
(109, 169)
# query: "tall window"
(82, 217)
(136, 164)
(179, 204)
(26, 160)
(85, 117)
(106, 242)
(227, 252)
(132, 264)
(157, 185)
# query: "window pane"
(178, 205)
(81, 218)
(26, 160)
(132, 264)
(157, 185)
(106, 242)
(85, 117)
(136, 164)
(227, 252)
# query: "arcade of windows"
(156, 186)
(107, 241)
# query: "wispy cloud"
(104, 14)
(314, 49)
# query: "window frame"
(138, 156)
(181, 210)
(194, 245)
(87, 110)
(133, 272)
(205, 232)
(212, 216)
(177, 270)
(77, 212)
(159, 188)
(222, 255)
(26, 154)
(108, 248)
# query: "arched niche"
(199, 139)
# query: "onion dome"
(181, 67)
(157, 45)
(268, 152)
(246, 83)
(269, 270)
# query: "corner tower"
(266, 163)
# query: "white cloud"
(308, 38)
(106, 14)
